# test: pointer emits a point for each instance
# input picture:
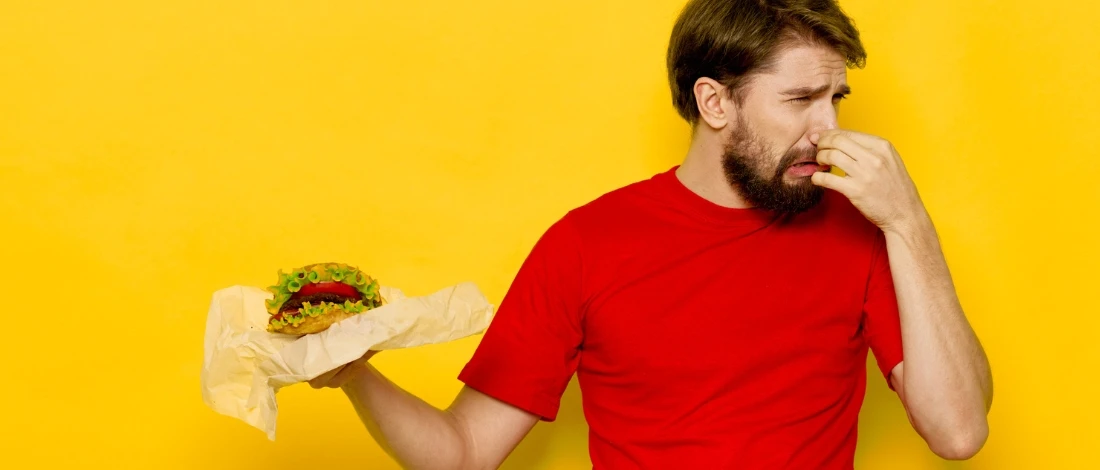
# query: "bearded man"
(719, 314)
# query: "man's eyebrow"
(810, 91)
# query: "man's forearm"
(946, 378)
(415, 434)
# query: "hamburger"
(313, 297)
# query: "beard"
(746, 163)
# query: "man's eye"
(803, 99)
(839, 96)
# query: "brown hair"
(729, 40)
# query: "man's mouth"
(807, 168)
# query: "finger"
(335, 377)
(345, 374)
(322, 381)
(840, 184)
(867, 162)
(874, 144)
(846, 144)
(836, 158)
(867, 141)
(870, 151)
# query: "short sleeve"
(531, 348)
(882, 324)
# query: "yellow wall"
(153, 152)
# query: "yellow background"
(154, 152)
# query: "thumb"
(322, 381)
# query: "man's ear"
(714, 103)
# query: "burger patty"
(314, 299)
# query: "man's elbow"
(961, 442)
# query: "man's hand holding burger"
(336, 378)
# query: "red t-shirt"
(701, 336)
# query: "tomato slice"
(338, 288)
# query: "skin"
(944, 383)
(475, 432)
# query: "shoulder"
(620, 206)
(602, 220)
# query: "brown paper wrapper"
(244, 365)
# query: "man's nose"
(825, 120)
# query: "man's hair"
(730, 40)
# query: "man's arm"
(475, 432)
(525, 359)
(944, 381)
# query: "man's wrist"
(916, 228)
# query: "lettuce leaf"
(289, 283)
(307, 310)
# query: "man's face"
(769, 157)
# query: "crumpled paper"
(244, 365)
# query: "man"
(719, 314)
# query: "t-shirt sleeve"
(531, 348)
(882, 324)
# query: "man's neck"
(702, 173)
